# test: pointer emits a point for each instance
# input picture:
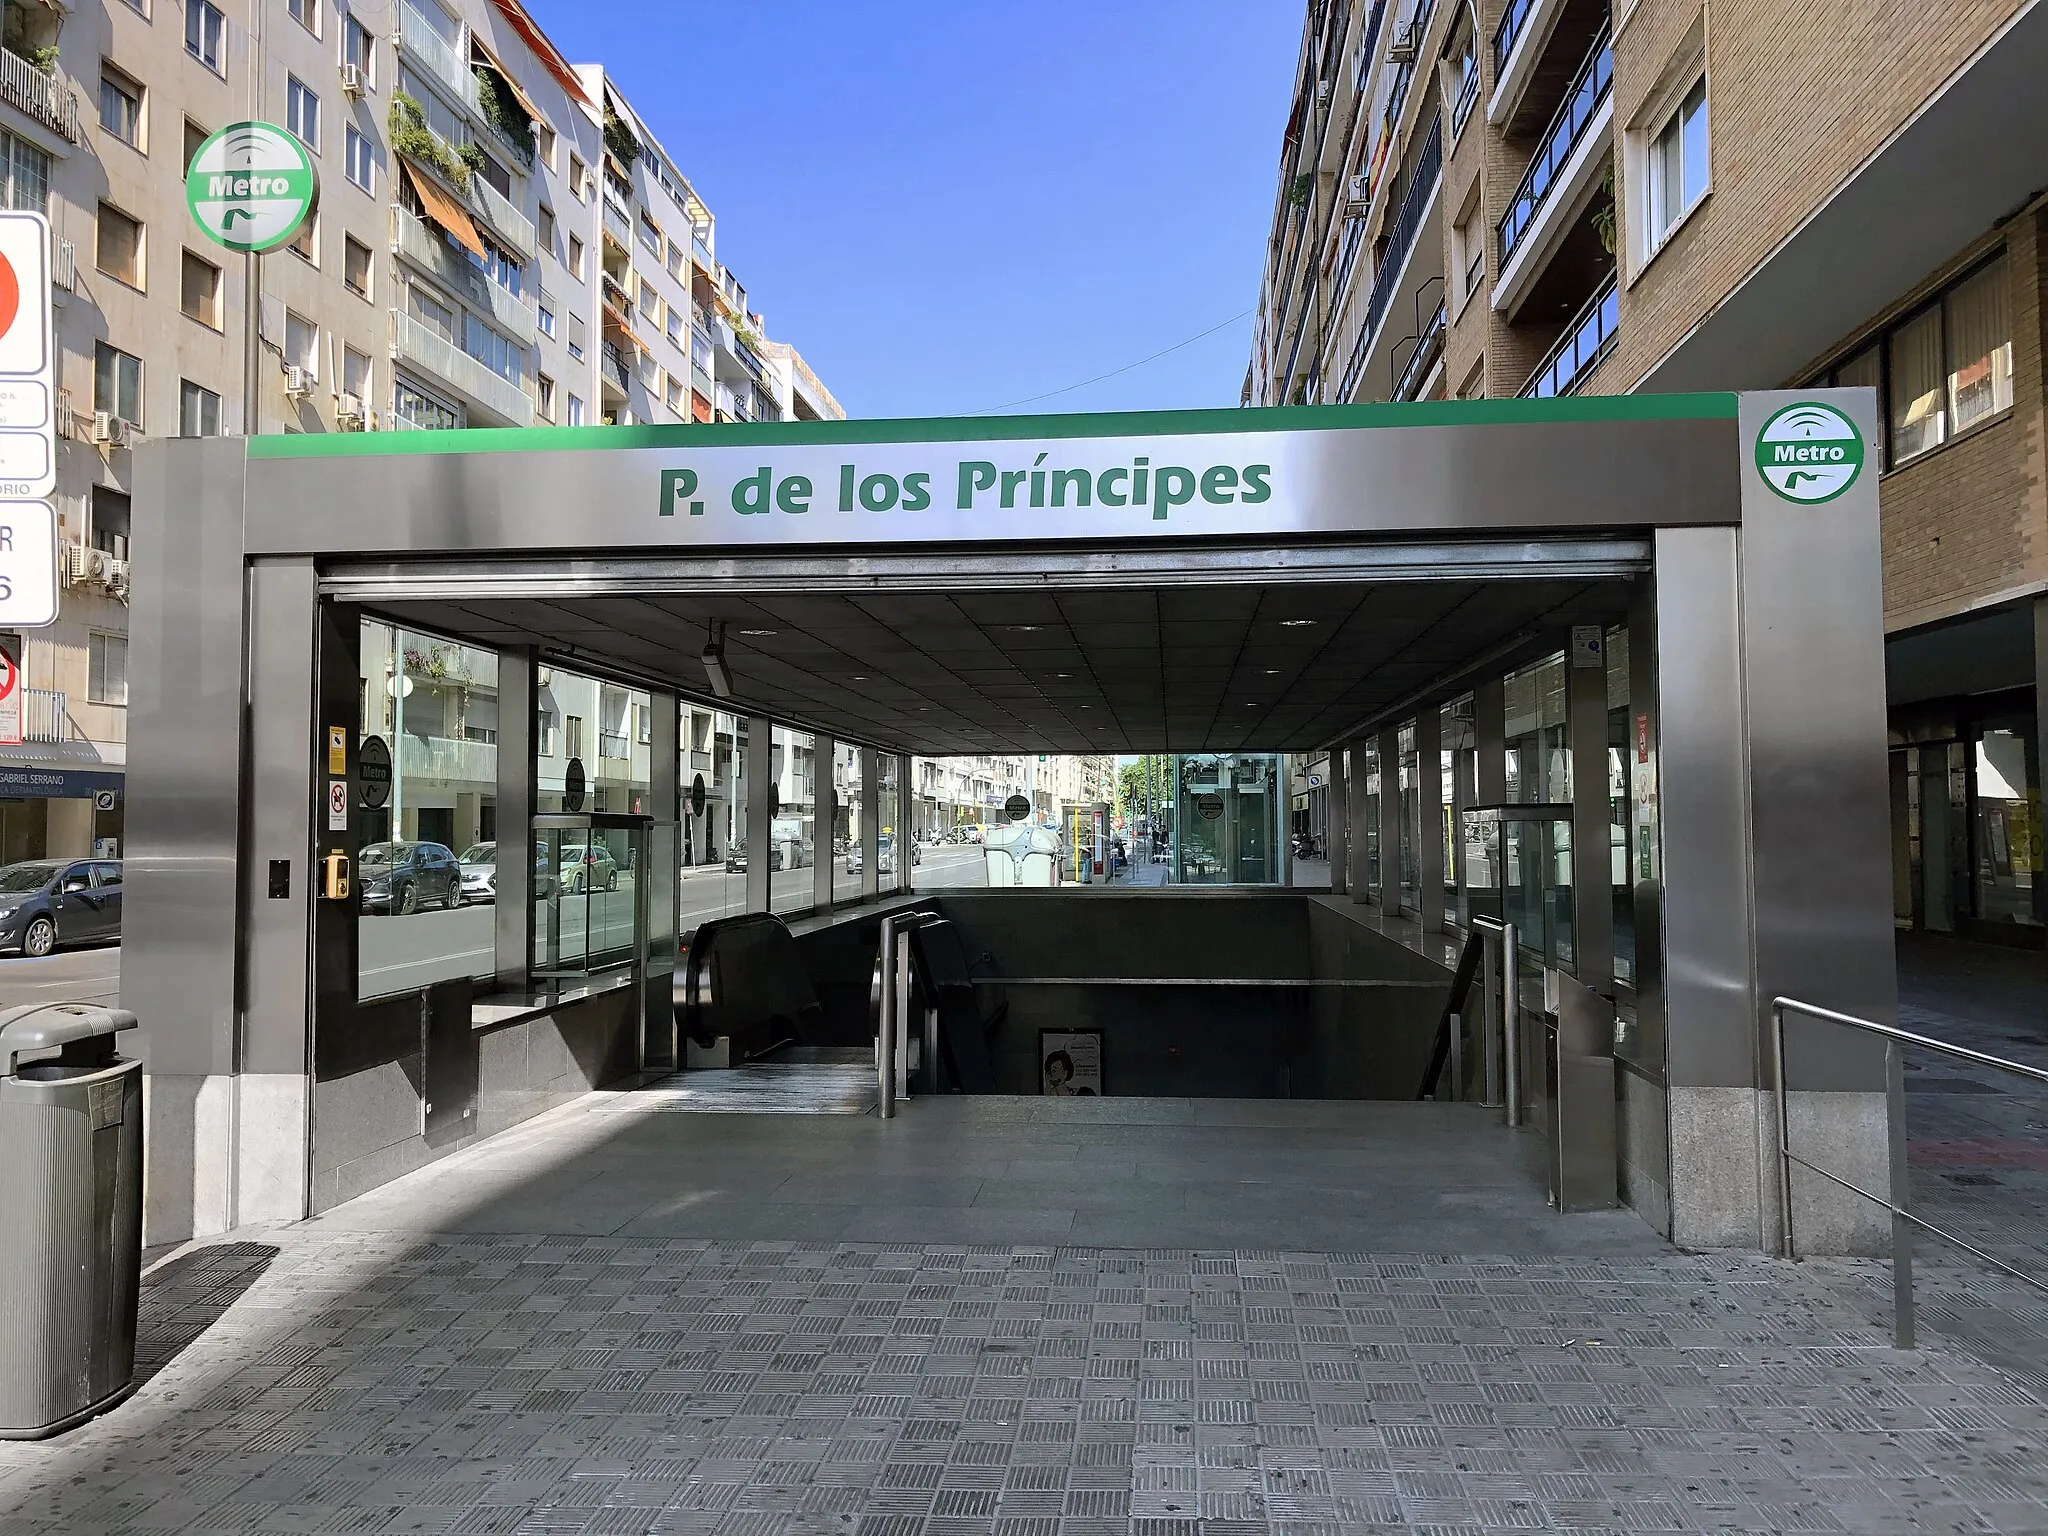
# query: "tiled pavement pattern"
(478, 1384)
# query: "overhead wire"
(1010, 405)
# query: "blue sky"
(952, 207)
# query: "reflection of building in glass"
(1227, 818)
(959, 792)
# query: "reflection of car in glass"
(778, 856)
(48, 902)
(885, 856)
(590, 868)
(404, 878)
(479, 863)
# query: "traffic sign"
(251, 187)
(1016, 807)
(373, 769)
(697, 796)
(28, 422)
(28, 564)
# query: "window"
(501, 269)
(495, 351)
(573, 734)
(117, 383)
(356, 48)
(119, 245)
(355, 265)
(355, 374)
(120, 105)
(650, 236)
(673, 394)
(1919, 414)
(431, 312)
(546, 320)
(442, 118)
(1677, 166)
(358, 164)
(198, 410)
(579, 173)
(575, 338)
(422, 408)
(108, 682)
(26, 173)
(1978, 321)
(576, 258)
(1469, 240)
(306, 243)
(495, 174)
(302, 343)
(112, 518)
(547, 398)
(302, 111)
(306, 13)
(199, 290)
(650, 302)
(546, 230)
(195, 136)
(204, 25)
(575, 412)
(675, 327)
(675, 262)
(546, 149)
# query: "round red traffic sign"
(10, 295)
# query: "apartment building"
(464, 268)
(1509, 198)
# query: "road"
(69, 976)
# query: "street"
(69, 976)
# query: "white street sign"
(28, 564)
(28, 421)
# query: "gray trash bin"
(70, 1216)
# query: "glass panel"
(793, 827)
(890, 846)
(1979, 347)
(1919, 413)
(2008, 835)
(1411, 811)
(1372, 820)
(586, 908)
(1459, 767)
(1539, 768)
(426, 856)
(1621, 756)
(847, 853)
(1229, 819)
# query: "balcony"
(617, 372)
(1407, 223)
(513, 229)
(434, 354)
(1566, 161)
(40, 95)
(702, 253)
(45, 715)
(63, 266)
(1422, 361)
(447, 758)
(1583, 347)
(1367, 374)
(427, 48)
(617, 227)
(424, 246)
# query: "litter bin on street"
(70, 1216)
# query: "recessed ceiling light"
(756, 633)
(1272, 671)
(860, 677)
(1025, 629)
(1296, 623)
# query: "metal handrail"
(1503, 991)
(1903, 1220)
(1582, 348)
(1509, 32)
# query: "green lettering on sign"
(251, 187)
(1809, 453)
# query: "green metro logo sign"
(1809, 453)
(251, 187)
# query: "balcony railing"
(616, 369)
(428, 349)
(431, 50)
(1468, 93)
(43, 96)
(1407, 224)
(63, 264)
(1509, 32)
(702, 253)
(1410, 38)
(1583, 347)
(617, 226)
(45, 715)
(1566, 131)
(1428, 348)
(508, 223)
(614, 744)
(447, 758)
(419, 243)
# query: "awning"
(550, 57)
(614, 321)
(700, 408)
(444, 210)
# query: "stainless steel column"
(1337, 819)
(906, 845)
(1390, 821)
(1592, 821)
(760, 808)
(661, 875)
(1429, 819)
(512, 913)
(1354, 816)
(870, 823)
(885, 1042)
(824, 817)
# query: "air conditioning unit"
(298, 383)
(109, 430)
(117, 576)
(1406, 44)
(348, 413)
(1322, 93)
(91, 565)
(352, 81)
(1359, 198)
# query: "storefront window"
(847, 821)
(2007, 829)
(894, 848)
(711, 747)
(426, 787)
(793, 823)
(1411, 810)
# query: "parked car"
(479, 863)
(404, 878)
(736, 857)
(587, 868)
(48, 902)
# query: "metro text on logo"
(1809, 453)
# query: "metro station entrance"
(1603, 669)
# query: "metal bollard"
(885, 1045)
(1511, 1017)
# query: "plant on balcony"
(746, 337)
(1604, 214)
(1299, 189)
(501, 108)
(472, 156)
(620, 142)
(44, 59)
(412, 138)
